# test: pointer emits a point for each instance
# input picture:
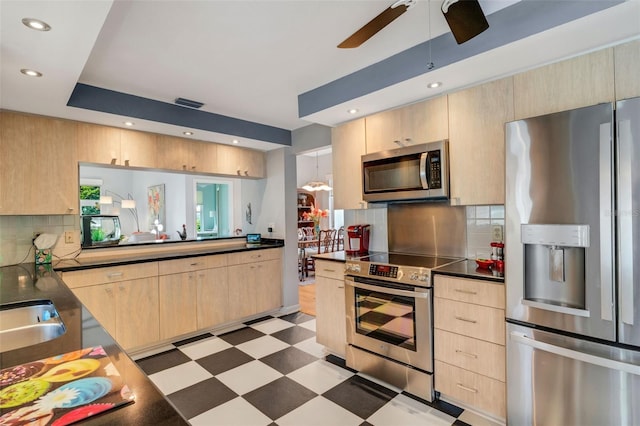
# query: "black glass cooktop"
(409, 260)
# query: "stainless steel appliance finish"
(416, 172)
(427, 228)
(572, 210)
(389, 319)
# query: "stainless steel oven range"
(390, 320)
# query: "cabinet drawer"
(480, 322)
(253, 256)
(478, 391)
(471, 354)
(110, 274)
(479, 292)
(328, 269)
(191, 264)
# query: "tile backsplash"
(17, 232)
(480, 220)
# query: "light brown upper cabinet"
(627, 62)
(242, 162)
(38, 165)
(476, 142)
(185, 155)
(347, 147)
(119, 147)
(573, 83)
(421, 122)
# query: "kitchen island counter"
(30, 282)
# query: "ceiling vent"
(188, 103)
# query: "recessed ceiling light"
(31, 73)
(36, 24)
(187, 133)
(235, 141)
(352, 111)
(129, 123)
(434, 85)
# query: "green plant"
(97, 235)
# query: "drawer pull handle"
(463, 387)
(195, 264)
(329, 270)
(340, 286)
(465, 291)
(470, 355)
(115, 274)
(466, 320)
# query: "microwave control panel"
(435, 172)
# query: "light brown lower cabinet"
(469, 343)
(331, 330)
(212, 300)
(178, 294)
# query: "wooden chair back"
(327, 241)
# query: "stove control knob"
(424, 278)
(413, 276)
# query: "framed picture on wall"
(156, 212)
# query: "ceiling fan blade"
(376, 24)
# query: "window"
(213, 207)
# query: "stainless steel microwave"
(418, 172)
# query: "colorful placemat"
(61, 390)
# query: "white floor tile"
(312, 347)
(203, 348)
(406, 411)
(475, 419)
(272, 325)
(262, 346)
(319, 412)
(320, 376)
(235, 412)
(179, 377)
(248, 377)
(309, 325)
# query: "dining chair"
(340, 239)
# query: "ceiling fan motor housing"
(465, 18)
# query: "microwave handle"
(424, 157)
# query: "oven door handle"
(417, 294)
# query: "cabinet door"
(267, 283)
(330, 314)
(236, 161)
(426, 121)
(573, 83)
(137, 316)
(242, 301)
(627, 63)
(347, 147)
(384, 131)
(100, 301)
(476, 142)
(138, 149)
(204, 157)
(177, 300)
(98, 144)
(212, 301)
(38, 165)
(173, 153)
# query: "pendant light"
(316, 185)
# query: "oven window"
(386, 317)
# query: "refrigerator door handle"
(606, 223)
(522, 338)
(625, 221)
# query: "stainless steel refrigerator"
(572, 267)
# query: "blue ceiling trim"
(112, 102)
(507, 25)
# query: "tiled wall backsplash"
(16, 236)
(480, 220)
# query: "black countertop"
(468, 269)
(25, 282)
(126, 259)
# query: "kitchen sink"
(27, 323)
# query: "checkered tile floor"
(272, 372)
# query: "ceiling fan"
(464, 17)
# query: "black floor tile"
(201, 397)
(340, 362)
(193, 339)
(288, 360)
(240, 336)
(293, 335)
(257, 320)
(279, 397)
(162, 361)
(365, 423)
(445, 407)
(460, 423)
(297, 317)
(225, 360)
(360, 396)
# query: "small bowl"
(484, 263)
